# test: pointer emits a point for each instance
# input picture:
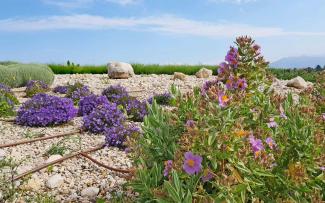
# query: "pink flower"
(241, 84)
(192, 163)
(223, 99)
(207, 175)
(271, 142)
(257, 145)
(168, 167)
(272, 123)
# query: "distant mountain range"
(299, 62)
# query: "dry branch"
(38, 168)
(105, 166)
(39, 139)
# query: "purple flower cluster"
(36, 86)
(61, 89)
(232, 57)
(4, 88)
(117, 94)
(208, 84)
(136, 110)
(89, 103)
(233, 83)
(77, 91)
(115, 136)
(103, 117)
(80, 93)
(168, 167)
(45, 110)
(162, 99)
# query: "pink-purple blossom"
(168, 167)
(192, 163)
(232, 57)
(241, 84)
(271, 142)
(257, 145)
(272, 123)
(207, 175)
(223, 99)
(323, 115)
(190, 123)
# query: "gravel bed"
(78, 179)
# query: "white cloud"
(123, 2)
(162, 24)
(68, 4)
(232, 1)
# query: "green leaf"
(188, 197)
(172, 192)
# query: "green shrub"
(17, 75)
(232, 144)
(7, 101)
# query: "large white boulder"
(203, 73)
(120, 70)
(299, 83)
(179, 76)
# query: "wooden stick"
(39, 139)
(105, 166)
(38, 168)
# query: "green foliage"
(287, 74)
(7, 102)
(160, 136)
(234, 144)
(17, 75)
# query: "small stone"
(33, 184)
(90, 192)
(54, 181)
(204, 73)
(180, 76)
(53, 158)
(2, 154)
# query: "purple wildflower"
(190, 123)
(192, 163)
(89, 103)
(323, 115)
(223, 99)
(257, 145)
(241, 84)
(230, 83)
(103, 117)
(117, 94)
(322, 168)
(272, 123)
(115, 136)
(4, 88)
(45, 110)
(271, 142)
(60, 89)
(162, 99)
(232, 57)
(34, 87)
(208, 84)
(136, 109)
(168, 167)
(223, 68)
(207, 175)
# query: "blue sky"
(156, 31)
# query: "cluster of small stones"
(78, 179)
